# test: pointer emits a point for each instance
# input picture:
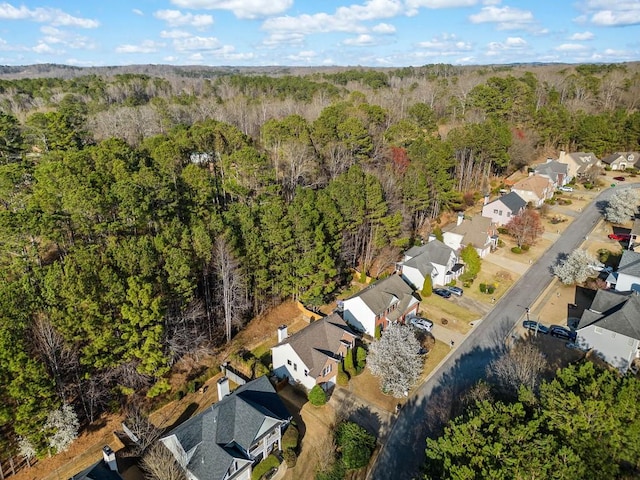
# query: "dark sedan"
(562, 332)
(535, 326)
(443, 292)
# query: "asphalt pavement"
(424, 414)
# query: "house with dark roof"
(478, 231)
(578, 163)
(311, 356)
(627, 275)
(622, 160)
(611, 328)
(635, 234)
(534, 189)
(433, 259)
(388, 300)
(504, 208)
(555, 171)
(228, 438)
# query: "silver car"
(421, 323)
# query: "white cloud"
(384, 29)
(43, 48)
(511, 44)
(580, 36)
(147, 46)
(413, 5)
(283, 39)
(240, 8)
(56, 36)
(444, 45)
(175, 18)
(196, 43)
(138, 12)
(491, 2)
(609, 13)
(506, 18)
(306, 56)
(174, 34)
(570, 47)
(54, 16)
(360, 40)
(609, 18)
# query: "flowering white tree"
(622, 206)
(26, 448)
(395, 359)
(577, 267)
(65, 425)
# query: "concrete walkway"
(445, 335)
(511, 265)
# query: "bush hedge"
(317, 396)
(516, 249)
(265, 466)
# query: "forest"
(147, 217)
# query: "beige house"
(579, 162)
(534, 189)
(478, 231)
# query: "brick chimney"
(282, 333)
(223, 388)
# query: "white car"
(566, 189)
(421, 323)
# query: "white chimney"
(460, 218)
(109, 457)
(431, 238)
(486, 199)
(562, 155)
(223, 388)
(282, 333)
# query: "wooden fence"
(13, 465)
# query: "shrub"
(160, 387)
(503, 230)
(603, 255)
(336, 472)
(378, 333)
(490, 289)
(356, 444)
(483, 288)
(516, 249)
(427, 286)
(290, 457)
(363, 276)
(444, 321)
(290, 437)
(264, 466)
(317, 396)
(500, 243)
(348, 364)
(179, 395)
(361, 359)
(342, 378)
(525, 248)
(437, 232)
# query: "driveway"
(429, 408)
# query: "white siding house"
(504, 208)
(627, 276)
(434, 259)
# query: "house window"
(495, 211)
(289, 362)
(597, 329)
(326, 370)
(295, 367)
(508, 214)
(500, 212)
(306, 372)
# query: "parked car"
(443, 292)
(619, 179)
(566, 189)
(601, 268)
(620, 236)
(456, 291)
(535, 326)
(421, 323)
(562, 332)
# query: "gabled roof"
(630, 263)
(475, 231)
(382, 294)
(534, 183)
(614, 311)
(237, 419)
(97, 471)
(635, 229)
(584, 160)
(552, 166)
(432, 252)
(625, 156)
(319, 341)
(512, 201)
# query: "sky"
(373, 33)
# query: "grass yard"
(436, 308)
(434, 357)
(493, 274)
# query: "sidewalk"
(445, 335)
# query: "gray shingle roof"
(584, 160)
(614, 311)
(475, 231)
(512, 201)
(630, 263)
(381, 294)
(320, 340)
(433, 252)
(615, 156)
(97, 471)
(234, 420)
(551, 169)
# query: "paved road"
(403, 454)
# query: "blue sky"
(388, 33)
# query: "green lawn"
(436, 308)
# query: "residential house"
(635, 234)
(579, 163)
(228, 438)
(555, 171)
(388, 300)
(434, 259)
(534, 189)
(502, 209)
(478, 231)
(622, 160)
(627, 276)
(611, 328)
(311, 356)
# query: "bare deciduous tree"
(138, 422)
(159, 463)
(231, 288)
(186, 331)
(523, 365)
(50, 345)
